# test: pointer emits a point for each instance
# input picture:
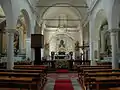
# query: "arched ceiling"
(51, 9)
(2, 15)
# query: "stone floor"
(52, 77)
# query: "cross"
(83, 48)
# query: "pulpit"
(37, 42)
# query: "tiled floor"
(52, 77)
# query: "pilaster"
(10, 48)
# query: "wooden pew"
(81, 72)
(28, 79)
(41, 72)
(7, 82)
(31, 67)
(102, 78)
(115, 88)
(85, 79)
(34, 68)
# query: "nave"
(60, 44)
(81, 77)
(62, 81)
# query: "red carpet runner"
(63, 85)
(62, 71)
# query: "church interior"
(59, 45)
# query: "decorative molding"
(114, 30)
(92, 6)
(10, 30)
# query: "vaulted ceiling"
(52, 11)
(2, 15)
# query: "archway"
(102, 43)
(61, 21)
(22, 33)
(3, 37)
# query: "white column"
(115, 61)
(32, 55)
(102, 42)
(92, 53)
(91, 38)
(98, 49)
(28, 48)
(10, 49)
(21, 41)
(42, 53)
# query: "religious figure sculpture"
(61, 45)
(46, 50)
(47, 46)
(77, 46)
(16, 43)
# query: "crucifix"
(83, 48)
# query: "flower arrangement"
(61, 64)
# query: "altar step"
(61, 71)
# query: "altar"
(60, 57)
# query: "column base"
(93, 63)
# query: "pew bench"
(101, 78)
(116, 88)
(19, 82)
(41, 75)
(31, 67)
(81, 71)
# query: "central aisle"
(62, 81)
(63, 84)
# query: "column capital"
(10, 30)
(28, 39)
(114, 30)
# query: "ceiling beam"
(47, 30)
(84, 6)
(62, 19)
(47, 26)
(65, 29)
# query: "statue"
(61, 45)
(16, 43)
(77, 46)
(47, 46)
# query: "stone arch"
(44, 14)
(3, 38)
(27, 21)
(23, 28)
(76, 9)
(101, 33)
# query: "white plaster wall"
(12, 9)
(23, 5)
(75, 36)
(105, 5)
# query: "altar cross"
(83, 48)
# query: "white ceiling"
(51, 9)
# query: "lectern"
(37, 42)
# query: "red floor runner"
(62, 71)
(63, 85)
